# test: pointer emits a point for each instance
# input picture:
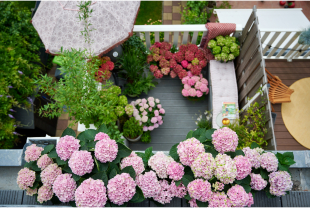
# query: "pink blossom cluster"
(257, 182)
(243, 165)
(192, 203)
(165, 195)
(251, 200)
(101, 136)
(175, 171)
(66, 146)
(225, 140)
(269, 161)
(200, 190)
(149, 184)
(121, 188)
(81, 162)
(238, 196)
(106, 150)
(226, 170)
(26, 178)
(253, 155)
(189, 150)
(280, 182)
(219, 199)
(159, 163)
(194, 86)
(31, 192)
(44, 161)
(149, 113)
(218, 186)
(49, 174)
(64, 187)
(45, 193)
(135, 161)
(204, 166)
(33, 152)
(178, 191)
(91, 193)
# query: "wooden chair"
(278, 92)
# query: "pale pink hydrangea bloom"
(141, 109)
(238, 196)
(159, 106)
(192, 92)
(259, 150)
(106, 150)
(280, 182)
(189, 150)
(152, 104)
(200, 190)
(144, 100)
(149, 184)
(150, 108)
(144, 113)
(44, 161)
(151, 99)
(154, 120)
(189, 73)
(157, 100)
(225, 140)
(64, 187)
(269, 161)
(121, 188)
(187, 87)
(156, 126)
(204, 88)
(31, 192)
(145, 128)
(199, 93)
(204, 81)
(160, 122)
(175, 171)
(184, 80)
(91, 193)
(195, 78)
(253, 155)
(151, 128)
(251, 200)
(101, 136)
(198, 85)
(66, 146)
(26, 178)
(33, 152)
(226, 170)
(156, 112)
(257, 182)
(145, 106)
(243, 165)
(159, 163)
(144, 119)
(178, 191)
(138, 101)
(204, 166)
(165, 195)
(159, 118)
(218, 186)
(192, 203)
(49, 174)
(219, 199)
(162, 111)
(185, 93)
(191, 82)
(45, 193)
(81, 162)
(135, 161)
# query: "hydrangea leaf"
(68, 131)
(187, 197)
(186, 179)
(47, 149)
(288, 161)
(200, 132)
(72, 203)
(123, 151)
(35, 185)
(55, 200)
(130, 171)
(28, 164)
(90, 134)
(254, 145)
(60, 161)
(202, 204)
(138, 197)
(210, 149)
(209, 133)
(247, 188)
(38, 177)
(177, 183)
(103, 128)
(174, 152)
(67, 169)
(189, 134)
(283, 167)
(75, 177)
(264, 173)
(239, 152)
(102, 175)
(53, 154)
(112, 174)
(148, 153)
(289, 154)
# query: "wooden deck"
(288, 72)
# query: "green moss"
(149, 10)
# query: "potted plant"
(144, 84)
(132, 130)
(194, 87)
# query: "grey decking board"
(296, 199)
(31, 200)
(11, 197)
(261, 200)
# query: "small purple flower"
(30, 100)
(10, 86)
(16, 133)
(12, 110)
(8, 96)
(1, 95)
(11, 116)
(20, 72)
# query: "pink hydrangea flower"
(251, 200)
(121, 188)
(165, 71)
(159, 163)
(81, 162)
(199, 54)
(31, 192)
(175, 171)
(154, 120)
(204, 166)
(150, 108)
(204, 81)
(189, 150)
(151, 128)
(243, 165)
(144, 119)
(172, 63)
(192, 92)
(66, 146)
(199, 93)
(44, 161)
(135, 161)
(185, 80)
(91, 193)
(165, 195)
(101, 136)
(160, 122)
(149, 184)
(45, 193)
(189, 74)
(198, 85)
(168, 55)
(253, 156)
(196, 78)
(257, 182)
(158, 74)
(200, 190)
(192, 203)
(159, 118)
(218, 186)
(145, 106)
(178, 191)
(204, 88)
(185, 93)
(26, 178)
(159, 106)
(238, 196)
(156, 126)
(33, 152)
(191, 82)
(106, 150)
(226, 170)
(156, 112)
(184, 63)
(225, 140)
(189, 56)
(152, 104)
(172, 74)
(149, 58)
(64, 187)
(187, 87)
(280, 182)
(49, 174)
(219, 199)
(162, 111)
(192, 47)
(145, 128)
(269, 162)
(144, 113)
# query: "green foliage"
(224, 48)
(195, 12)
(84, 15)
(204, 121)
(19, 46)
(132, 128)
(144, 84)
(146, 137)
(79, 93)
(134, 43)
(285, 160)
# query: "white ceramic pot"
(134, 140)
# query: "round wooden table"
(296, 114)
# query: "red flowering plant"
(104, 71)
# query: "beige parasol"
(58, 25)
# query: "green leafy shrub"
(132, 128)
(144, 84)
(146, 137)
(19, 46)
(225, 48)
(134, 43)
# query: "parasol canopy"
(58, 25)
